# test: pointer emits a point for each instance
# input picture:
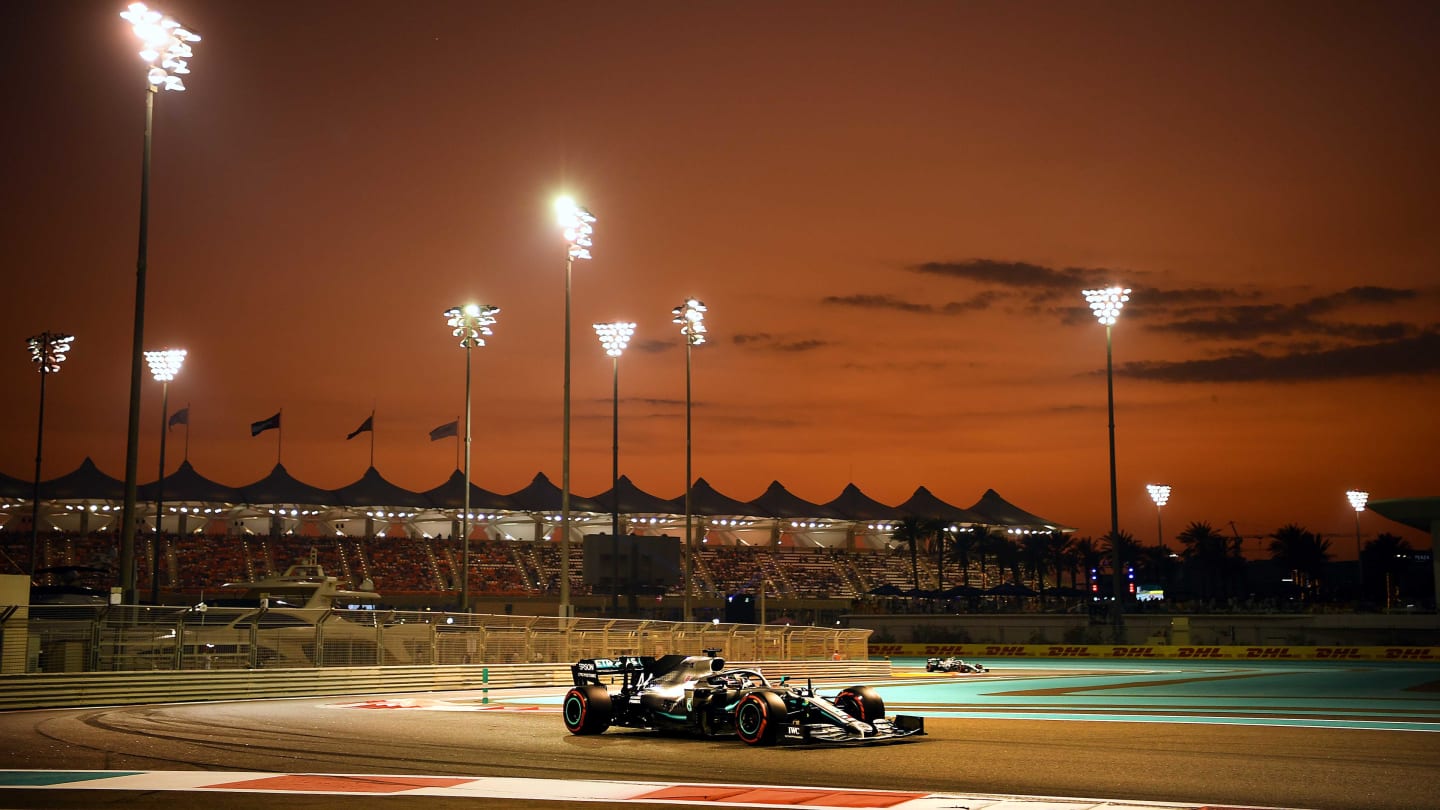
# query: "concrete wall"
(14, 632)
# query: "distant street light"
(577, 225)
(471, 323)
(1106, 304)
(164, 365)
(1358, 498)
(165, 47)
(691, 318)
(1160, 494)
(47, 352)
(614, 337)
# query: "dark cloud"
(653, 346)
(1015, 274)
(765, 340)
(876, 302)
(980, 301)
(1252, 321)
(1412, 355)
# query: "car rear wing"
(590, 671)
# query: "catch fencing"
(142, 638)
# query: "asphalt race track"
(1354, 736)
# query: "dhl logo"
(1338, 652)
(1417, 654)
(1014, 650)
(1069, 652)
(934, 650)
(1133, 652)
(886, 649)
(1200, 652)
(1268, 652)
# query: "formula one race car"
(696, 694)
(952, 665)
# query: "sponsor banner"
(1138, 651)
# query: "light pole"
(691, 318)
(614, 337)
(164, 365)
(471, 323)
(577, 224)
(1160, 494)
(1358, 498)
(1106, 304)
(47, 352)
(165, 47)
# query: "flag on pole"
(368, 426)
(445, 431)
(180, 417)
(256, 428)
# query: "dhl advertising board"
(1201, 652)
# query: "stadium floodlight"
(47, 352)
(1106, 305)
(164, 365)
(1160, 494)
(614, 337)
(166, 47)
(691, 318)
(577, 225)
(1358, 498)
(471, 323)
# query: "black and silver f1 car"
(952, 665)
(697, 694)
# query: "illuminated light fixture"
(471, 323)
(47, 352)
(165, 46)
(1106, 305)
(614, 337)
(1160, 494)
(577, 226)
(1358, 498)
(690, 316)
(164, 365)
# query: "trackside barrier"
(36, 691)
(1140, 651)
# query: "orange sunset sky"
(890, 210)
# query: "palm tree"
(1129, 551)
(1061, 550)
(939, 532)
(1087, 553)
(911, 531)
(1207, 558)
(1303, 552)
(1386, 555)
(1035, 551)
(964, 543)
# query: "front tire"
(758, 718)
(861, 703)
(587, 709)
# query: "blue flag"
(180, 417)
(445, 431)
(256, 428)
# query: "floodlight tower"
(1358, 498)
(691, 318)
(1106, 304)
(47, 352)
(1160, 494)
(471, 323)
(165, 47)
(164, 365)
(577, 225)
(614, 337)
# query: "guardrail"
(40, 690)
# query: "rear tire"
(587, 709)
(758, 718)
(861, 703)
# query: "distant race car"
(697, 694)
(952, 665)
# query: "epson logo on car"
(585, 666)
